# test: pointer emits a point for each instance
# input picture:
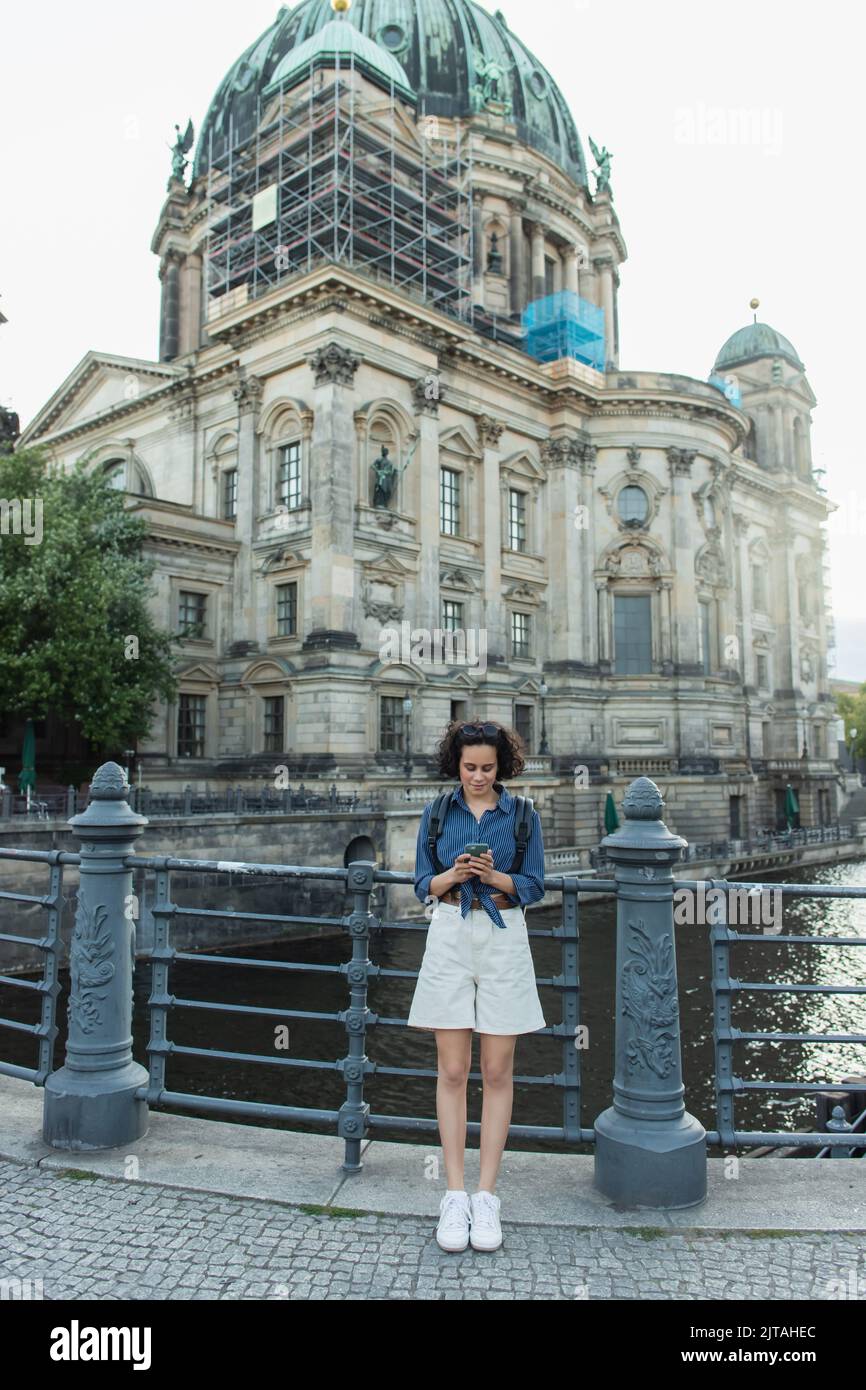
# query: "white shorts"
(477, 975)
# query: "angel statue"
(181, 146)
(602, 158)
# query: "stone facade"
(249, 450)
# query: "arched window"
(125, 475)
(632, 505)
(115, 473)
(750, 444)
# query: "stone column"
(248, 397)
(518, 276)
(783, 599)
(571, 276)
(190, 300)
(568, 544)
(478, 255)
(332, 499)
(489, 435)
(685, 616)
(427, 394)
(604, 639)
(744, 609)
(588, 453)
(91, 1101)
(537, 260)
(665, 645)
(605, 271)
(649, 1151)
(169, 322)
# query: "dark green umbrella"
(792, 806)
(27, 775)
(611, 819)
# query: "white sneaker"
(484, 1214)
(452, 1233)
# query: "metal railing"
(647, 1087)
(770, 843)
(231, 801)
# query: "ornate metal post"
(91, 1103)
(649, 1150)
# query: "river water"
(766, 960)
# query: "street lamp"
(407, 710)
(851, 754)
(544, 691)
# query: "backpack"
(522, 827)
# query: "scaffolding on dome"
(335, 174)
(565, 325)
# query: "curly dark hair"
(508, 744)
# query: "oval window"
(633, 505)
(392, 36)
(537, 84)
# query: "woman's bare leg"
(497, 1071)
(454, 1047)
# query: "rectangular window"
(520, 634)
(632, 634)
(452, 615)
(287, 610)
(273, 723)
(759, 589)
(735, 817)
(392, 724)
(190, 726)
(704, 636)
(449, 501)
(523, 724)
(762, 669)
(516, 519)
(192, 614)
(230, 494)
(289, 476)
(458, 710)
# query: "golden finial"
(753, 304)
(340, 6)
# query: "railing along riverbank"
(648, 1148)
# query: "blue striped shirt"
(496, 829)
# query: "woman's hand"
(462, 868)
(482, 867)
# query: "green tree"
(852, 707)
(77, 638)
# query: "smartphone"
(476, 850)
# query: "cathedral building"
(394, 473)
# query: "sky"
(736, 138)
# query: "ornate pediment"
(458, 579)
(710, 564)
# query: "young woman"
(477, 973)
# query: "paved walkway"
(201, 1209)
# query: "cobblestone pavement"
(90, 1237)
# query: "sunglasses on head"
(480, 731)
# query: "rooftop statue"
(602, 158)
(181, 147)
(492, 86)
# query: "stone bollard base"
(78, 1103)
(644, 1164)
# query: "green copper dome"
(455, 57)
(342, 41)
(754, 341)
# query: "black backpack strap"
(434, 827)
(522, 830)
